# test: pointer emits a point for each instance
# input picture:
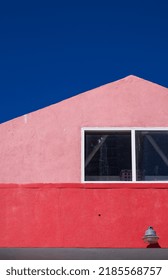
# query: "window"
(125, 155)
(152, 155)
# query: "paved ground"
(82, 254)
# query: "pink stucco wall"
(45, 146)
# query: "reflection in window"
(152, 155)
(108, 156)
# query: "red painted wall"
(82, 215)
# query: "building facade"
(88, 172)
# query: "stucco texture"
(78, 215)
(45, 146)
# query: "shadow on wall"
(156, 245)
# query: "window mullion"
(133, 152)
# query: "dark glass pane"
(108, 156)
(152, 155)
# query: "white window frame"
(133, 152)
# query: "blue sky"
(52, 50)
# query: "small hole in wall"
(99, 215)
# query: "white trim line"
(133, 151)
(82, 156)
(123, 128)
(125, 182)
